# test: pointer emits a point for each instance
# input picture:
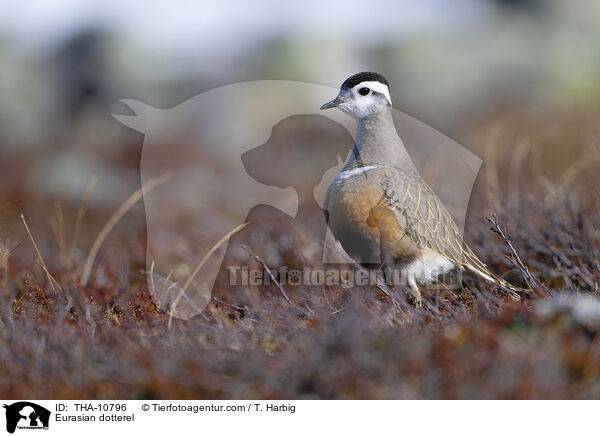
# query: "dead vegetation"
(70, 331)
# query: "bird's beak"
(333, 103)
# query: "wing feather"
(424, 219)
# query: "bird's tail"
(513, 292)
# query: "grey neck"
(378, 143)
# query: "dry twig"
(114, 219)
(48, 275)
(272, 276)
(516, 259)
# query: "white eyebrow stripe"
(376, 86)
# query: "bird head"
(362, 95)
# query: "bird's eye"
(364, 91)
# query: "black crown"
(366, 76)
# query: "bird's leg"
(415, 291)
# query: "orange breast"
(349, 204)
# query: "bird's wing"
(422, 218)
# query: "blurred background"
(515, 82)
(511, 80)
